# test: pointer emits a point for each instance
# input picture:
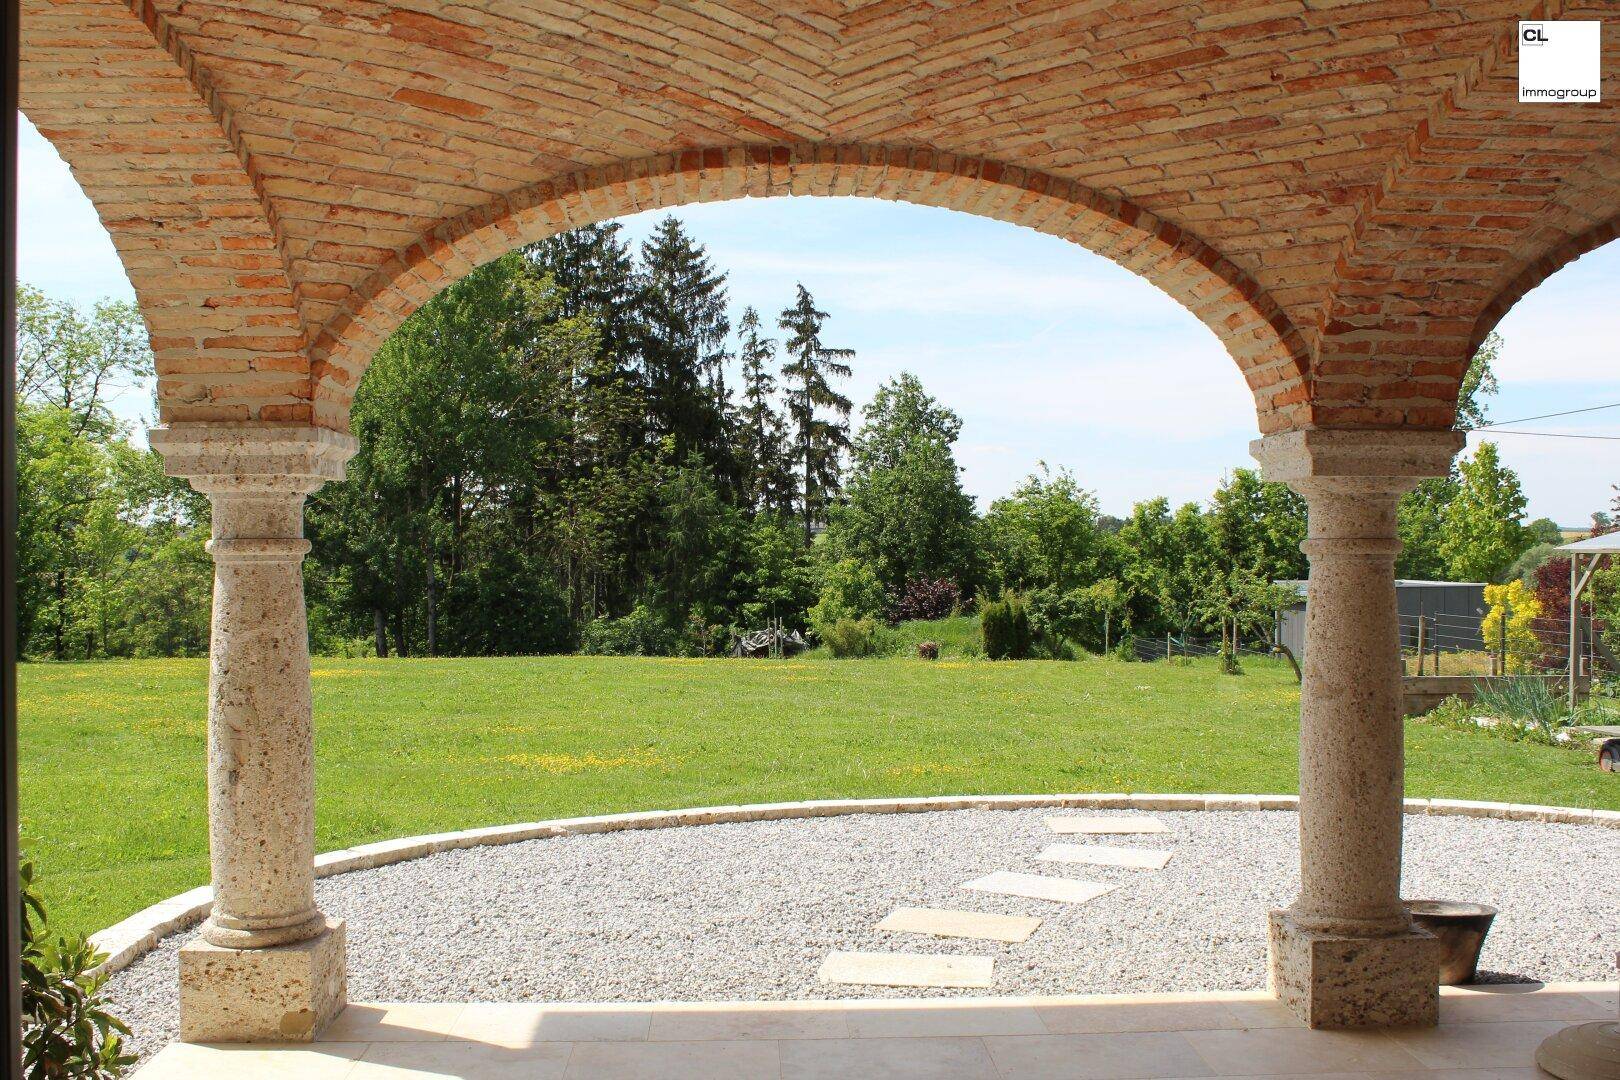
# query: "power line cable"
(1548, 416)
(1558, 435)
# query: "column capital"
(1356, 462)
(252, 458)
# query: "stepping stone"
(963, 924)
(1101, 825)
(1102, 855)
(1040, 887)
(906, 969)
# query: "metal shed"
(1453, 610)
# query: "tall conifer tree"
(683, 328)
(761, 430)
(819, 413)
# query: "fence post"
(1574, 626)
(1422, 641)
(1501, 645)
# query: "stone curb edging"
(127, 941)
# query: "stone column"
(1345, 953)
(269, 966)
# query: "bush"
(1057, 617)
(1005, 627)
(640, 633)
(926, 598)
(1523, 701)
(1461, 715)
(848, 638)
(348, 648)
(67, 1031)
(928, 650)
(849, 591)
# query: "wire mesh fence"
(1497, 645)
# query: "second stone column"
(1345, 953)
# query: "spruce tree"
(819, 413)
(762, 432)
(683, 326)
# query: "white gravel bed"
(750, 910)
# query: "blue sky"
(1049, 353)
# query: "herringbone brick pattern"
(1345, 192)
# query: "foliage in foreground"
(67, 1032)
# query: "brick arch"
(159, 158)
(1268, 348)
(1538, 271)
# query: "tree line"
(578, 447)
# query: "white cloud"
(61, 246)
(1566, 329)
(1564, 479)
(965, 286)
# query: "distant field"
(113, 753)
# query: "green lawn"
(112, 753)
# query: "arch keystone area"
(1269, 350)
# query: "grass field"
(113, 753)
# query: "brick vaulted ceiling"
(1347, 193)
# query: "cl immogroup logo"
(1561, 61)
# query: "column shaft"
(261, 760)
(1351, 757)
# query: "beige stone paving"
(1040, 887)
(906, 969)
(945, 922)
(1485, 1034)
(1106, 825)
(1103, 855)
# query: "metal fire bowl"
(1461, 929)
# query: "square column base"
(282, 994)
(1341, 981)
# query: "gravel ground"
(749, 911)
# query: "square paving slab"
(906, 969)
(1040, 887)
(1105, 825)
(1102, 855)
(962, 924)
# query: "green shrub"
(849, 638)
(1524, 701)
(1004, 625)
(1459, 714)
(640, 633)
(67, 1032)
(995, 628)
(849, 591)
